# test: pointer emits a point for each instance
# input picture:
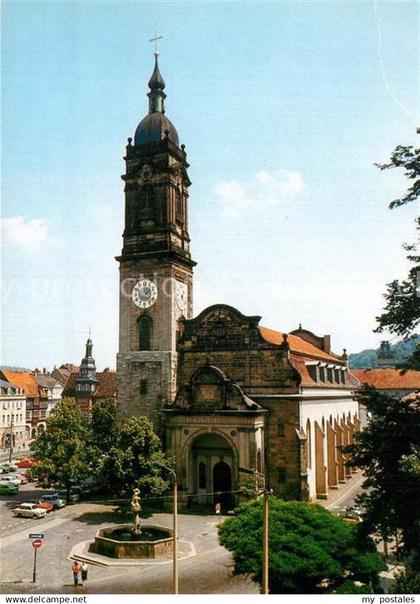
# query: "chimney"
(326, 344)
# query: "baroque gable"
(210, 390)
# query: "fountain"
(135, 540)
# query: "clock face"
(144, 293)
(181, 295)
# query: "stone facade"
(155, 258)
(224, 392)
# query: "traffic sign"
(36, 535)
(37, 543)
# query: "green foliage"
(350, 587)
(391, 496)
(406, 582)
(132, 460)
(61, 451)
(311, 550)
(410, 463)
(124, 453)
(402, 311)
(406, 157)
(103, 426)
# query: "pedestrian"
(76, 570)
(84, 572)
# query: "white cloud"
(263, 189)
(28, 235)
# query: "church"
(223, 391)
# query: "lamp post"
(265, 561)
(175, 525)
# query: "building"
(393, 381)
(36, 400)
(52, 387)
(224, 391)
(62, 373)
(87, 385)
(13, 427)
(385, 356)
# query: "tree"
(402, 311)
(103, 426)
(132, 461)
(311, 550)
(391, 496)
(408, 158)
(62, 454)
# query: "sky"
(284, 108)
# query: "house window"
(145, 333)
(322, 374)
(202, 481)
(280, 429)
(282, 475)
(143, 386)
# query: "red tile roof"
(24, 380)
(107, 384)
(107, 387)
(390, 379)
(298, 345)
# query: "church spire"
(156, 95)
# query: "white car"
(10, 479)
(29, 510)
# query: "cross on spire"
(155, 40)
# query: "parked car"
(20, 477)
(5, 468)
(45, 505)
(8, 489)
(10, 479)
(55, 500)
(26, 462)
(29, 510)
(73, 496)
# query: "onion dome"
(155, 126)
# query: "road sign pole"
(34, 573)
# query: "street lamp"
(264, 583)
(175, 525)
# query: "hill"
(402, 349)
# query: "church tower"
(155, 262)
(86, 382)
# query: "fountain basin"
(119, 542)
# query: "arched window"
(145, 333)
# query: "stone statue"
(136, 508)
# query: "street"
(208, 570)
